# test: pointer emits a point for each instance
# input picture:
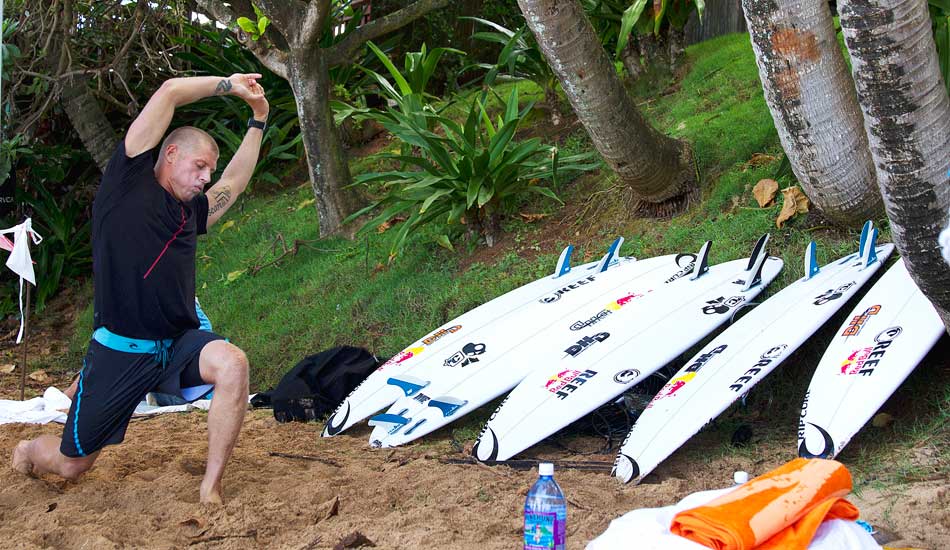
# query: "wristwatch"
(254, 123)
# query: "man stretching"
(146, 217)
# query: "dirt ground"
(144, 493)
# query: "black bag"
(319, 383)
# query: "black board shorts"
(112, 383)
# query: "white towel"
(52, 407)
(650, 528)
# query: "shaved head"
(191, 139)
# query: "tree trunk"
(814, 106)
(88, 120)
(906, 113)
(655, 167)
(329, 171)
(677, 43)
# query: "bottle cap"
(740, 477)
(545, 469)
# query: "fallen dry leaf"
(761, 159)
(7, 369)
(764, 192)
(530, 218)
(38, 376)
(794, 202)
(332, 508)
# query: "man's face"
(191, 169)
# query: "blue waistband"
(113, 341)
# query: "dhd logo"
(585, 343)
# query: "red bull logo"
(865, 360)
(672, 387)
(403, 355)
(560, 380)
(855, 361)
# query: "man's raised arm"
(238, 172)
(148, 128)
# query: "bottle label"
(543, 530)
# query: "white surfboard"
(744, 354)
(887, 334)
(509, 349)
(395, 378)
(579, 375)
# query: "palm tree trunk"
(813, 103)
(907, 116)
(88, 120)
(326, 160)
(655, 167)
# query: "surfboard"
(887, 334)
(509, 351)
(576, 376)
(742, 355)
(394, 378)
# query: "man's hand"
(246, 87)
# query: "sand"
(144, 493)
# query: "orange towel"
(778, 510)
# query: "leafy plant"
(674, 13)
(9, 52)
(472, 174)
(940, 16)
(520, 56)
(254, 29)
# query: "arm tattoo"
(221, 199)
(223, 87)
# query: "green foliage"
(216, 52)
(254, 29)
(520, 56)
(940, 16)
(615, 21)
(474, 171)
(9, 52)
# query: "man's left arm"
(237, 174)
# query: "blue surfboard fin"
(448, 405)
(610, 256)
(865, 233)
(811, 262)
(393, 421)
(870, 249)
(564, 262)
(409, 384)
(701, 265)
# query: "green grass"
(335, 292)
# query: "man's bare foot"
(21, 458)
(210, 495)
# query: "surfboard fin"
(811, 262)
(393, 421)
(610, 255)
(865, 233)
(564, 262)
(409, 384)
(447, 404)
(756, 261)
(701, 265)
(870, 249)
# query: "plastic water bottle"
(545, 513)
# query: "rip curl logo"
(801, 418)
(863, 361)
(556, 295)
(857, 323)
(626, 376)
(564, 383)
(437, 335)
(466, 356)
(832, 294)
(602, 314)
(677, 383)
(722, 305)
(585, 343)
(686, 269)
(765, 360)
